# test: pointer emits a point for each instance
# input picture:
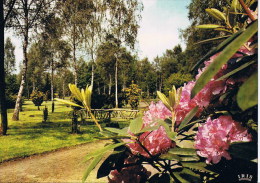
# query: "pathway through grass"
(30, 135)
(63, 166)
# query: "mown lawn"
(30, 135)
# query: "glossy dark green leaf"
(187, 176)
(118, 131)
(217, 49)
(197, 166)
(183, 151)
(136, 125)
(224, 56)
(213, 39)
(170, 134)
(190, 158)
(91, 166)
(247, 95)
(160, 178)
(189, 125)
(244, 150)
(188, 117)
(148, 128)
(170, 156)
(102, 150)
(236, 70)
(108, 164)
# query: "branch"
(9, 11)
(248, 11)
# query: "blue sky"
(159, 28)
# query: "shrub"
(133, 94)
(177, 79)
(37, 98)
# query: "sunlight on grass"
(30, 135)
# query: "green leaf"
(247, 93)
(75, 92)
(164, 100)
(190, 158)
(234, 6)
(218, 48)
(209, 26)
(197, 166)
(148, 128)
(91, 166)
(107, 165)
(188, 117)
(213, 39)
(218, 15)
(178, 176)
(170, 134)
(243, 150)
(102, 150)
(183, 151)
(224, 56)
(68, 102)
(190, 124)
(136, 125)
(170, 156)
(187, 176)
(236, 70)
(118, 131)
(160, 177)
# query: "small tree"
(37, 98)
(133, 95)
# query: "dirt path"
(64, 166)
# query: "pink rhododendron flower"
(156, 111)
(214, 137)
(157, 141)
(202, 99)
(135, 173)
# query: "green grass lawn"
(30, 135)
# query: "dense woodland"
(92, 43)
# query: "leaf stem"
(94, 119)
(247, 10)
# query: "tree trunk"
(52, 87)
(74, 56)
(24, 71)
(104, 89)
(110, 84)
(124, 81)
(98, 89)
(33, 85)
(92, 72)
(63, 89)
(28, 91)
(116, 72)
(4, 121)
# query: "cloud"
(159, 28)
(149, 3)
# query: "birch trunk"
(24, 71)
(110, 84)
(116, 88)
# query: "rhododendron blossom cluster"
(214, 137)
(211, 89)
(157, 141)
